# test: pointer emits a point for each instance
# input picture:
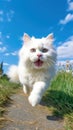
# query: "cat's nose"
(39, 55)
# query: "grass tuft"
(59, 97)
(6, 89)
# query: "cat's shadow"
(53, 118)
(61, 102)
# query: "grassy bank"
(59, 98)
(6, 89)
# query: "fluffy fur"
(36, 66)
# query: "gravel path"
(22, 116)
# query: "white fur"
(30, 75)
(13, 74)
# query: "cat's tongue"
(38, 63)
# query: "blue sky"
(37, 18)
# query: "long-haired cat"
(36, 66)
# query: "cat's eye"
(44, 50)
(33, 50)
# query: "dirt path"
(22, 116)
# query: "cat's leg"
(25, 89)
(37, 93)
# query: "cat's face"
(38, 53)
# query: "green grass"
(59, 97)
(6, 89)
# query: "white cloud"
(3, 37)
(65, 50)
(70, 5)
(10, 15)
(6, 16)
(1, 12)
(14, 53)
(68, 18)
(70, 38)
(5, 64)
(3, 49)
(7, 54)
(7, 36)
(1, 43)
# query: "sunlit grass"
(6, 89)
(59, 97)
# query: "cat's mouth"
(38, 63)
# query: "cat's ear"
(26, 37)
(50, 37)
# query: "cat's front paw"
(34, 99)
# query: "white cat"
(36, 66)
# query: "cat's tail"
(13, 74)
